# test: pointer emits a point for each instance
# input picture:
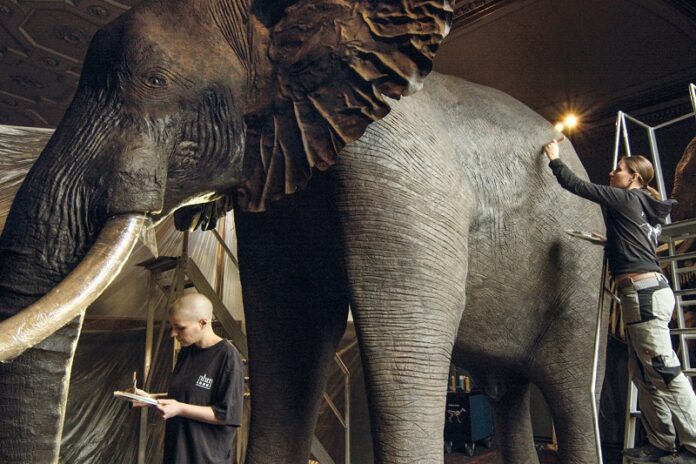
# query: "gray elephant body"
(439, 222)
(443, 210)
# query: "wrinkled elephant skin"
(684, 190)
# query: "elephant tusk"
(76, 292)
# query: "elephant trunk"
(55, 219)
(36, 251)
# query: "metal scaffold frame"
(622, 134)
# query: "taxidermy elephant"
(684, 182)
(440, 209)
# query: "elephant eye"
(156, 81)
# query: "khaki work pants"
(666, 399)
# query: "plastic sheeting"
(329, 430)
(19, 148)
(98, 427)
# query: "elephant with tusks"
(434, 216)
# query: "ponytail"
(653, 192)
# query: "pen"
(135, 380)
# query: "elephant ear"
(332, 63)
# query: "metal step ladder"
(683, 230)
(671, 233)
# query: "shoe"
(646, 453)
(682, 457)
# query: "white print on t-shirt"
(204, 382)
(651, 232)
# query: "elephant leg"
(562, 366)
(405, 343)
(408, 293)
(565, 387)
(296, 308)
(571, 409)
(513, 422)
(405, 228)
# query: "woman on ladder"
(634, 215)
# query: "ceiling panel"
(42, 44)
(594, 55)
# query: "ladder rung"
(684, 270)
(678, 228)
(689, 372)
(685, 331)
(613, 296)
(688, 303)
(683, 256)
(676, 237)
(185, 284)
(687, 292)
(161, 264)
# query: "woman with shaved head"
(205, 393)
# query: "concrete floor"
(489, 456)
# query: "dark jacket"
(633, 219)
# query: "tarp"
(19, 148)
(98, 427)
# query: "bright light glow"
(570, 121)
(559, 127)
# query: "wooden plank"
(320, 453)
(160, 264)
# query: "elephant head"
(683, 190)
(183, 103)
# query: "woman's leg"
(655, 415)
(666, 398)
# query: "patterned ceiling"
(42, 43)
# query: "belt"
(641, 281)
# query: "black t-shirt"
(633, 219)
(205, 377)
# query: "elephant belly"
(526, 296)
